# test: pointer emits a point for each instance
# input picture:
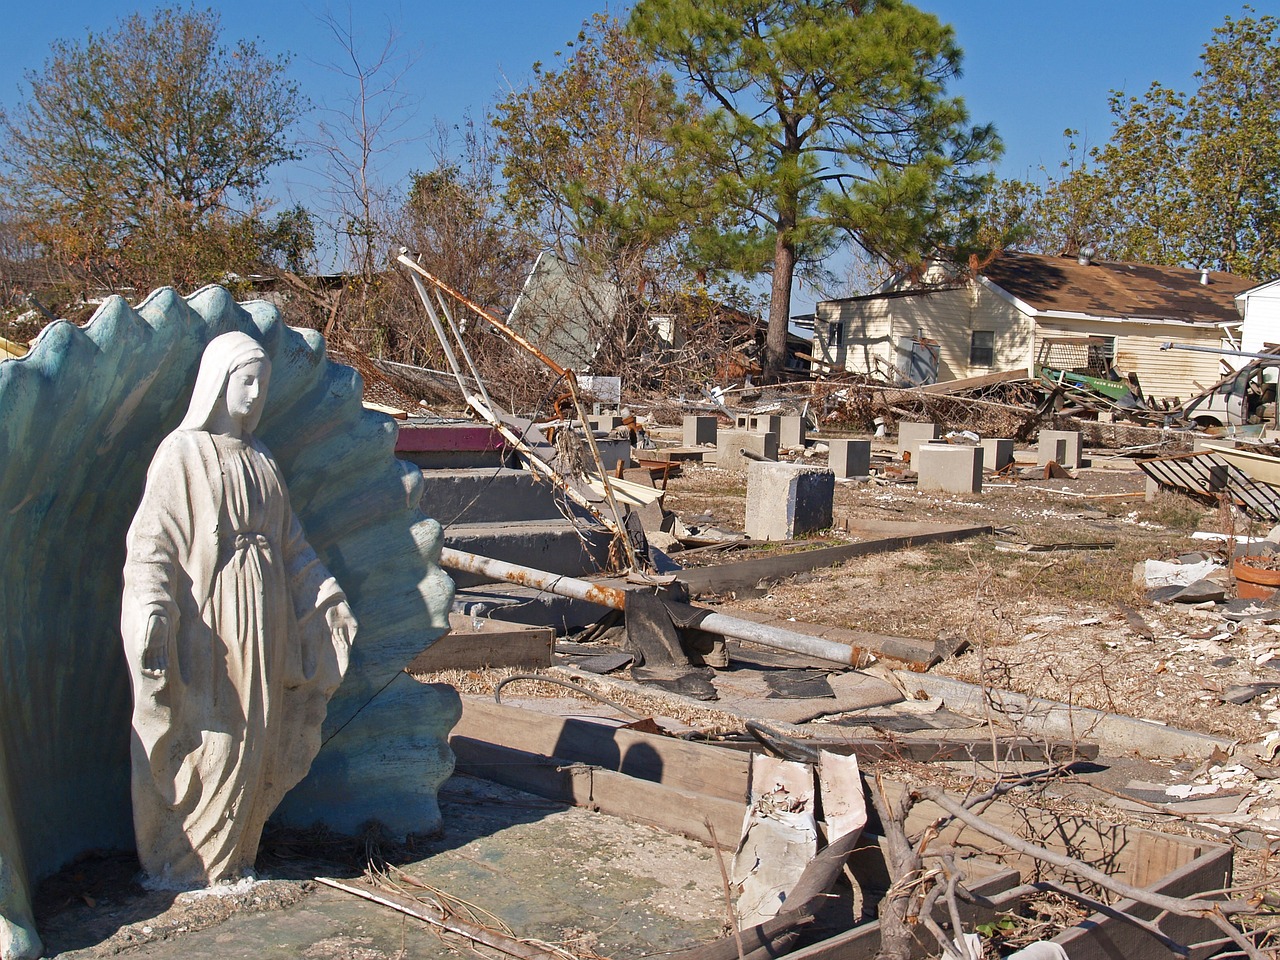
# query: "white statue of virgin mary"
(235, 634)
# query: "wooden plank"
(948, 387)
(863, 941)
(677, 811)
(698, 768)
(962, 747)
(706, 772)
(1103, 937)
(494, 644)
(748, 574)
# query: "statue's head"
(231, 387)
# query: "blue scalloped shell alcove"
(80, 417)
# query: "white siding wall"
(1261, 318)
(867, 347)
(872, 327)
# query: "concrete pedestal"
(791, 431)
(911, 435)
(849, 458)
(949, 468)
(731, 443)
(613, 451)
(1064, 447)
(699, 430)
(605, 421)
(787, 500)
(997, 454)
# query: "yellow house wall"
(1163, 374)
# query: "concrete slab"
(486, 495)
(792, 431)
(787, 500)
(548, 871)
(555, 546)
(997, 453)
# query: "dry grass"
(1048, 624)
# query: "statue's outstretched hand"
(341, 622)
(155, 650)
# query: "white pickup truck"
(1247, 396)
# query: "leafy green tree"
(578, 143)
(823, 118)
(1183, 179)
(140, 155)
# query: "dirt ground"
(1049, 623)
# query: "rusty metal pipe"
(725, 626)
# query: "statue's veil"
(223, 354)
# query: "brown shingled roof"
(1107, 289)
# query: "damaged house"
(999, 319)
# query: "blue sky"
(1032, 67)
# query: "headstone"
(849, 458)
(731, 443)
(699, 430)
(1063, 447)
(949, 468)
(997, 453)
(911, 435)
(787, 500)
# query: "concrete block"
(700, 430)
(791, 431)
(996, 453)
(911, 435)
(1153, 488)
(849, 458)
(1064, 447)
(742, 422)
(731, 443)
(949, 469)
(787, 500)
(605, 422)
(765, 423)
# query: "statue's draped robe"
(234, 722)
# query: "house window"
(835, 333)
(982, 348)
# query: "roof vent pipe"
(1085, 256)
(1204, 277)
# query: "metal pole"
(1221, 351)
(699, 617)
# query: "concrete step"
(486, 495)
(556, 546)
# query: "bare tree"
(355, 135)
